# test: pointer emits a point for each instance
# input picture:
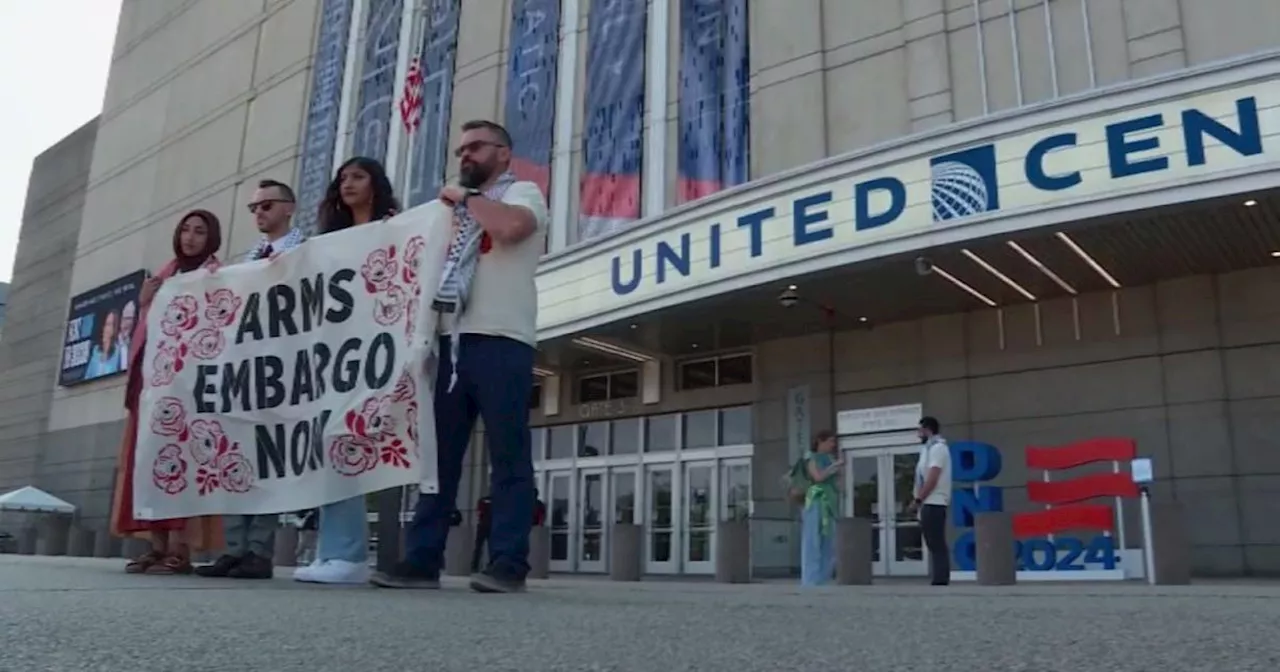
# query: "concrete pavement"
(83, 615)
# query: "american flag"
(411, 103)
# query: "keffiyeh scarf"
(460, 268)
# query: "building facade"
(1040, 221)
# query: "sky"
(54, 58)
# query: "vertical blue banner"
(430, 147)
(613, 138)
(700, 105)
(714, 99)
(735, 166)
(530, 112)
(376, 105)
(320, 133)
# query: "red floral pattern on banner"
(371, 436)
(220, 463)
(395, 284)
(189, 328)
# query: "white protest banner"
(282, 385)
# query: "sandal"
(142, 563)
(171, 564)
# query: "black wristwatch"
(471, 192)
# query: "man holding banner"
(487, 300)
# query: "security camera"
(924, 266)
(789, 297)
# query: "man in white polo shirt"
(933, 496)
(489, 306)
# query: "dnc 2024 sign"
(1067, 507)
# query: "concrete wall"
(1193, 375)
(833, 76)
(204, 99)
(37, 310)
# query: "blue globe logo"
(957, 191)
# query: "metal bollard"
(82, 542)
(994, 559)
(539, 552)
(733, 552)
(105, 545)
(54, 536)
(853, 551)
(626, 552)
(457, 555)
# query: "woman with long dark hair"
(105, 357)
(195, 242)
(359, 194)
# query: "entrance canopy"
(34, 499)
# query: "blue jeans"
(495, 376)
(817, 552)
(344, 531)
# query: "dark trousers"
(933, 526)
(495, 375)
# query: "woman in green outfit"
(817, 552)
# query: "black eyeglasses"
(472, 147)
(266, 205)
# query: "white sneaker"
(339, 572)
(306, 574)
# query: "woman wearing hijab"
(359, 194)
(195, 240)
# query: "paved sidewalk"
(79, 615)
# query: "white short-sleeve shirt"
(935, 454)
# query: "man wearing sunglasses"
(251, 540)
(272, 208)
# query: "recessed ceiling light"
(694, 346)
(1276, 254)
(634, 325)
(792, 287)
(1250, 203)
(862, 319)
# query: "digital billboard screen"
(99, 325)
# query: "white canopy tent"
(35, 500)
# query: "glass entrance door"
(880, 485)
(699, 517)
(591, 528)
(660, 528)
(560, 497)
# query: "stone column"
(1170, 547)
(82, 542)
(286, 551)
(539, 552)
(54, 536)
(457, 555)
(853, 549)
(994, 549)
(105, 545)
(27, 538)
(733, 551)
(626, 552)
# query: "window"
(700, 429)
(660, 433)
(715, 372)
(593, 439)
(626, 436)
(560, 439)
(535, 397)
(735, 426)
(608, 386)
(537, 443)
